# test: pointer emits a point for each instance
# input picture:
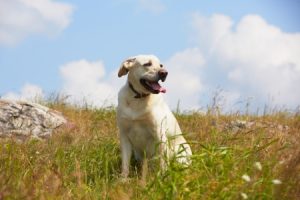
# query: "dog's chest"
(141, 122)
(142, 126)
(142, 135)
(139, 131)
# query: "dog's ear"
(125, 67)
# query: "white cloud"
(183, 82)
(83, 83)
(253, 57)
(20, 18)
(28, 92)
(87, 82)
(208, 31)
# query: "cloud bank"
(21, 18)
(250, 59)
(86, 82)
(28, 92)
(184, 84)
(254, 58)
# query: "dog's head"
(144, 73)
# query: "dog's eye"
(161, 65)
(148, 64)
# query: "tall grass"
(84, 162)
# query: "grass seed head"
(258, 166)
(276, 182)
(244, 195)
(246, 178)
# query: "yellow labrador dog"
(146, 124)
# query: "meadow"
(256, 160)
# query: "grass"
(84, 163)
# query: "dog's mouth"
(152, 86)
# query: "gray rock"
(238, 125)
(23, 120)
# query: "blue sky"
(77, 35)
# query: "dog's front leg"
(126, 152)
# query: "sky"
(246, 53)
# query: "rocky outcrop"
(24, 120)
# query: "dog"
(147, 127)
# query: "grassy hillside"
(261, 161)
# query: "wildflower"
(37, 152)
(281, 162)
(244, 195)
(258, 166)
(246, 178)
(276, 182)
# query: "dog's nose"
(163, 74)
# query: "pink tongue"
(163, 90)
(156, 86)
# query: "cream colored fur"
(147, 124)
